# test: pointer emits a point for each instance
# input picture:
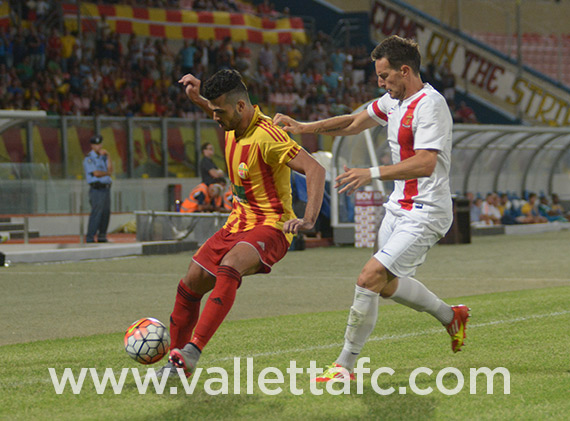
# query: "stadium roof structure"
(509, 159)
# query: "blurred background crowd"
(104, 73)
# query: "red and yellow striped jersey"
(261, 180)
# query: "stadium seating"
(548, 54)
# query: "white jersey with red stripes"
(422, 121)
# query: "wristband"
(375, 172)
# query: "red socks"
(217, 307)
(184, 316)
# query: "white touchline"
(391, 337)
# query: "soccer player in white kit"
(419, 210)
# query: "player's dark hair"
(399, 51)
(204, 146)
(225, 82)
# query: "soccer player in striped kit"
(419, 210)
(260, 227)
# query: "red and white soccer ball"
(147, 340)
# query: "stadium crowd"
(509, 209)
(103, 73)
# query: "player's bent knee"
(198, 280)
(372, 277)
(389, 289)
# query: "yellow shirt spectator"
(294, 57)
(67, 43)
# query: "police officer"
(98, 169)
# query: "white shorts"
(404, 241)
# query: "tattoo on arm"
(325, 130)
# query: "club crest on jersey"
(243, 171)
(407, 121)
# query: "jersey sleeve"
(378, 110)
(433, 125)
(276, 145)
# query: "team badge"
(243, 171)
(407, 121)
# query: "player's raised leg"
(184, 316)
(241, 260)
(404, 243)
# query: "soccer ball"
(147, 341)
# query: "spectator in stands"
(35, 43)
(225, 57)
(505, 204)
(134, 50)
(530, 211)
(67, 43)
(267, 59)
(475, 211)
(208, 169)
(490, 214)
(465, 114)
(203, 56)
(558, 208)
(430, 75)
(243, 59)
(338, 59)
(149, 51)
(448, 82)
(546, 211)
(103, 28)
(4, 47)
(18, 47)
(186, 56)
(510, 213)
(318, 58)
(294, 56)
(266, 8)
(42, 9)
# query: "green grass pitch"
(73, 315)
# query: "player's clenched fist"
(192, 85)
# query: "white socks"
(361, 321)
(364, 313)
(414, 294)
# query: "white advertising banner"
(477, 70)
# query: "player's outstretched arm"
(421, 164)
(192, 89)
(341, 125)
(315, 175)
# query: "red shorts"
(270, 243)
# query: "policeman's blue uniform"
(99, 195)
